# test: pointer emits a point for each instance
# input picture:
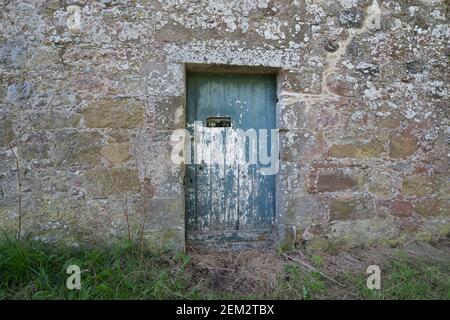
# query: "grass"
(406, 279)
(31, 270)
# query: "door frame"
(239, 69)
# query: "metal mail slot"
(218, 122)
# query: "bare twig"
(127, 216)
(144, 216)
(312, 268)
(19, 193)
(202, 265)
(124, 203)
(148, 192)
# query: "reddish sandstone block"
(401, 208)
(332, 182)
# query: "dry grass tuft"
(256, 271)
(245, 272)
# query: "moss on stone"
(359, 151)
(104, 181)
(417, 186)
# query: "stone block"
(429, 207)
(402, 145)
(302, 210)
(6, 131)
(389, 122)
(357, 150)
(54, 120)
(417, 186)
(165, 240)
(306, 80)
(13, 54)
(103, 181)
(117, 153)
(286, 237)
(349, 209)
(333, 182)
(18, 91)
(401, 208)
(34, 146)
(351, 18)
(168, 113)
(166, 212)
(114, 113)
(75, 148)
(163, 79)
(293, 117)
(342, 85)
(297, 146)
(364, 231)
(380, 185)
(292, 178)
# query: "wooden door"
(228, 198)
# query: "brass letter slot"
(218, 122)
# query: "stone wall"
(89, 108)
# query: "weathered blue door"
(228, 196)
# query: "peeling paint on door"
(228, 198)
